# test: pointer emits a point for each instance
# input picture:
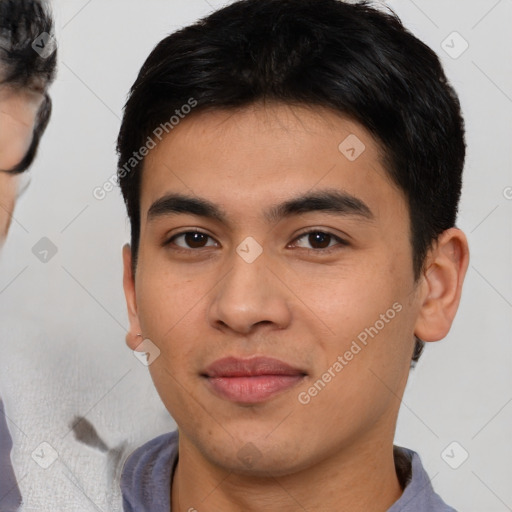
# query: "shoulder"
(9, 491)
(147, 472)
(418, 494)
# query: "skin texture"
(291, 303)
(18, 114)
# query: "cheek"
(370, 321)
(348, 298)
(8, 190)
(171, 315)
(15, 139)
(174, 389)
(365, 374)
(166, 301)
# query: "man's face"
(206, 297)
(18, 115)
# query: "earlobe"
(448, 261)
(133, 335)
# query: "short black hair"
(353, 58)
(21, 66)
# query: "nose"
(249, 295)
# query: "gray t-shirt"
(147, 475)
(10, 498)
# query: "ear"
(447, 263)
(132, 340)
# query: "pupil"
(194, 238)
(319, 238)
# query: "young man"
(27, 68)
(292, 171)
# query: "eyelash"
(328, 250)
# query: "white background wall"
(63, 322)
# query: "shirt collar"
(147, 476)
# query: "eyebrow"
(328, 200)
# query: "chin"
(250, 461)
(255, 454)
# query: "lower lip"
(251, 390)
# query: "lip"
(249, 381)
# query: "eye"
(321, 241)
(192, 239)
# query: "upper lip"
(235, 367)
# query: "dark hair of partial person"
(353, 58)
(21, 67)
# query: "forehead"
(264, 152)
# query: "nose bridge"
(248, 294)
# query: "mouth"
(250, 381)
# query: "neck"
(361, 477)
